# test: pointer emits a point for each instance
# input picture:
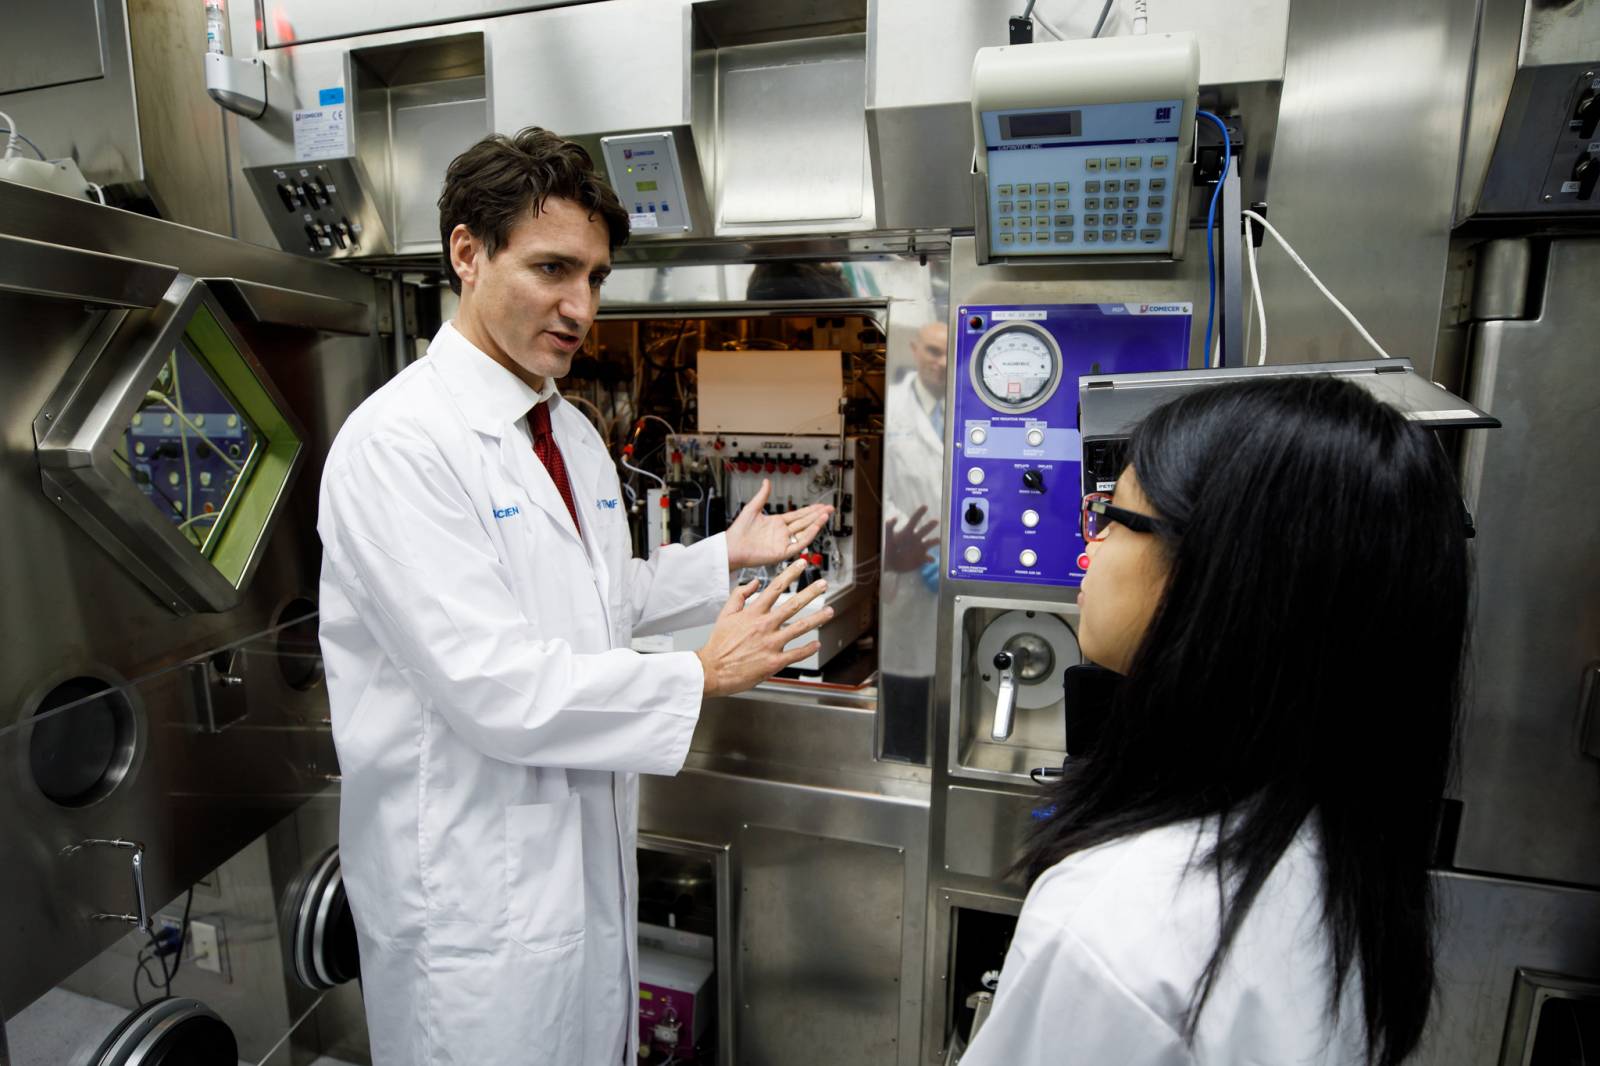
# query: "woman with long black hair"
(1237, 871)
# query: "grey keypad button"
(1025, 223)
(1130, 203)
(1158, 184)
(1153, 218)
(1091, 203)
(1091, 236)
(1091, 220)
(1041, 221)
(1042, 187)
(1024, 205)
(1133, 162)
(1130, 219)
(1063, 186)
(1113, 163)
(1005, 223)
(1006, 238)
(1131, 185)
(1024, 238)
(1113, 186)
(1108, 236)
(1005, 209)
(1064, 236)
(1065, 220)
(1150, 236)
(1158, 162)
(1003, 190)
(1156, 201)
(1128, 235)
(1062, 204)
(1091, 186)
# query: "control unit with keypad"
(1083, 179)
(1014, 497)
(1082, 146)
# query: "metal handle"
(1005, 704)
(39, 268)
(140, 920)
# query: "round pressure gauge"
(1016, 367)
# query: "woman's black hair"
(1305, 662)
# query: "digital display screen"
(645, 186)
(1041, 124)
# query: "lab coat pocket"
(544, 871)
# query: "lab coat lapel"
(588, 468)
(516, 451)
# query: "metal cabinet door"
(1532, 797)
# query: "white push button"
(978, 435)
(1028, 558)
(1035, 437)
(975, 476)
(1030, 518)
(972, 554)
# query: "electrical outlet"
(205, 945)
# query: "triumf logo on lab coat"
(507, 512)
(607, 505)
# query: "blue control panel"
(1092, 180)
(1015, 495)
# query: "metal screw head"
(1548, 197)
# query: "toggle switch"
(1584, 172)
(1587, 113)
(974, 515)
(1033, 479)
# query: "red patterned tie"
(544, 446)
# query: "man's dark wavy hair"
(498, 181)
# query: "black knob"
(1587, 113)
(974, 515)
(1585, 174)
(1033, 479)
(1002, 660)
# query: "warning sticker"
(643, 220)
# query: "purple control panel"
(1015, 493)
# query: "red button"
(1083, 561)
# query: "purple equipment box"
(1016, 472)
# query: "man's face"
(928, 348)
(531, 304)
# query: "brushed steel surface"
(57, 44)
(1532, 799)
(1373, 223)
(92, 120)
(193, 797)
(820, 969)
(275, 305)
(984, 832)
(1490, 929)
(37, 268)
(289, 22)
(715, 807)
(1560, 31)
(1494, 68)
(1504, 272)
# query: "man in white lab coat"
(478, 598)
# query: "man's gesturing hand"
(746, 645)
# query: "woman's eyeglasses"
(1099, 513)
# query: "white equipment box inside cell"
(803, 470)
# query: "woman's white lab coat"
(490, 720)
(1111, 941)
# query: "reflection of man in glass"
(913, 488)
